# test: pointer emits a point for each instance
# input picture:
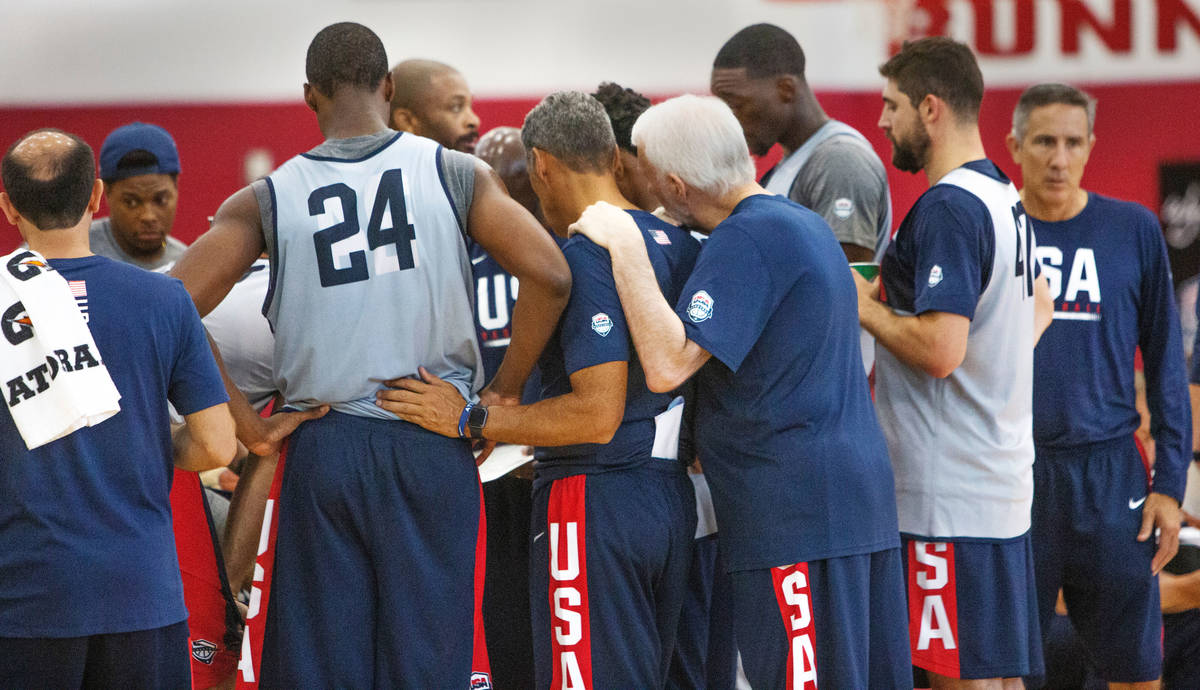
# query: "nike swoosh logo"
(478, 260)
(539, 535)
(1134, 505)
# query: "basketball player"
(140, 168)
(378, 553)
(954, 376)
(784, 420)
(1095, 509)
(613, 508)
(827, 165)
(432, 100)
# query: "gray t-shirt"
(842, 180)
(103, 243)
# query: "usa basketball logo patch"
(935, 275)
(602, 324)
(204, 651)
(701, 307)
(480, 681)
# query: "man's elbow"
(942, 362)
(217, 452)
(605, 425)
(663, 380)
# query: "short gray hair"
(1040, 95)
(574, 128)
(697, 139)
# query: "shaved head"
(48, 176)
(502, 149)
(432, 99)
(412, 80)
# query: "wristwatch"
(476, 418)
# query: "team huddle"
(749, 457)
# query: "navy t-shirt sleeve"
(954, 251)
(728, 299)
(593, 325)
(195, 382)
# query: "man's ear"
(786, 88)
(310, 97)
(97, 193)
(677, 187)
(1014, 147)
(10, 211)
(389, 88)
(404, 120)
(541, 165)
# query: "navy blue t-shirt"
(1112, 289)
(86, 540)
(592, 330)
(786, 430)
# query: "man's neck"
(582, 190)
(1052, 212)
(712, 211)
(68, 243)
(351, 118)
(958, 146)
(808, 119)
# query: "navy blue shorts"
(705, 651)
(379, 556)
(838, 622)
(1087, 510)
(971, 608)
(141, 660)
(608, 572)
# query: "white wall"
(111, 51)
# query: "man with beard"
(954, 376)
(432, 100)
(827, 166)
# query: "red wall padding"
(1138, 126)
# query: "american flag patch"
(661, 237)
(79, 292)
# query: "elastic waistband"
(1118, 443)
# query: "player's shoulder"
(662, 232)
(844, 153)
(1121, 211)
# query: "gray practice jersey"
(837, 174)
(370, 276)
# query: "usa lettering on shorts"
(933, 607)
(794, 595)
(570, 634)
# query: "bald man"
(432, 99)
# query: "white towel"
(54, 379)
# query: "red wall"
(1138, 126)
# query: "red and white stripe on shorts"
(481, 668)
(793, 592)
(571, 643)
(933, 607)
(260, 588)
